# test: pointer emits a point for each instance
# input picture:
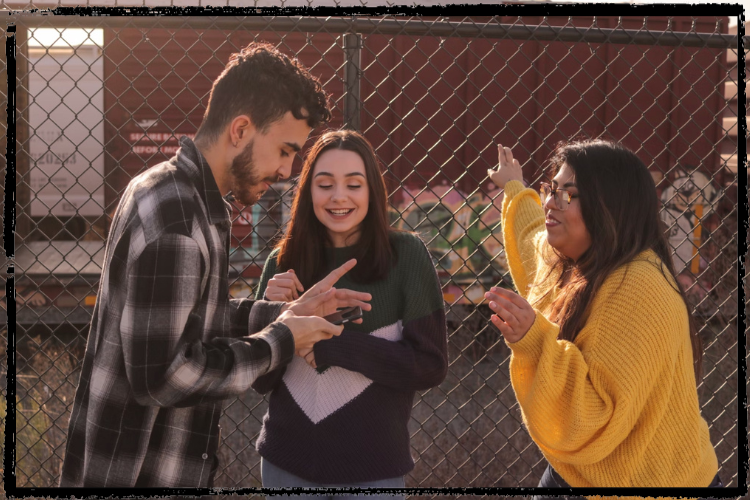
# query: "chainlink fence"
(99, 99)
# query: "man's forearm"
(262, 314)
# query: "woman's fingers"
(495, 301)
(505, 329)
(508, 332)
(282, 283)
(511, 296)
(283, 286)
(508, 168)
(310, 358)
(295, 279)
(501, 325)
(505, 313)
(308, 355)
(502, 299)
(504, 155)
(500, 155)
(278, 294)
(515, 316)
(508, 155)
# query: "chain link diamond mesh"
(98, 101)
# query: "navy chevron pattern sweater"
(350, 423)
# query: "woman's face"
(340, 195)
(566, 231)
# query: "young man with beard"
(167, 345)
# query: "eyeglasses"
(562, 196)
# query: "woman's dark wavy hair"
(303, 246)
(263, 83)
(620, 209)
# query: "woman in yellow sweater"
(605, 353)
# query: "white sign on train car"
(66, 115)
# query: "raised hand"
(508, 168)
(284, 287)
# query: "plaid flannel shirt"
(166, 345)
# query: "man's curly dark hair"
(264, 84)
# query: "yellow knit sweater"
(617, 407)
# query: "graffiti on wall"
(463, 234)
(688, 203)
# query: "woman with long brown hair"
(338, 414)
(605, 353)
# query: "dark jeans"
(276, 477)
(551, 479)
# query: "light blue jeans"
(274, 477)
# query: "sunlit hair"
(620, 209)
(265, 84)
(303, 246)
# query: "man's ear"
(240, 129)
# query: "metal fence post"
(352, 72)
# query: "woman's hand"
(508, 168)
(513, 314)
(322, 299)
(309, 356)
(284, 287)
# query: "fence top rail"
(380, 26)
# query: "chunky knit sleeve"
(418, 360)
(581, 401)
(523, 233)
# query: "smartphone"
(344, 315)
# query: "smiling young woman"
(343, 160)
(340, 195)
(605, 353)
(338, 415)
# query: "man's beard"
(246, 184)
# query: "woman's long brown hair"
(620, 207)
(303, 246)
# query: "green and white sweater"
(350, 423)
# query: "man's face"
(266, 158)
